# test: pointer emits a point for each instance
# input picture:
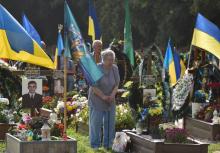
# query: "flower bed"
(144, 143)
(202, 129)
(15, 145)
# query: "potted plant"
(155, 118)
(176, 135)
(6, 117)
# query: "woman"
(102, 103)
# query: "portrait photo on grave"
(31, 93)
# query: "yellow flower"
(155, 111)
(128, 84)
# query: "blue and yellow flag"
(173, 64)
(30, 29)
(74, 43)
(94, 29)
(206, 35)
(169, 65)
(17, 44)
(179, 65)
(59, 48)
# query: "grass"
(214, 147)
(83, 144)
(2, 147)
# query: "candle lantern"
(45, 132)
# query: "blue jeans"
(96, 121)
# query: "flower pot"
(195, 108)
(145, 144)
(201, 129)
(15, 145)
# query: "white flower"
(125, 110)
(80, 119)
(4, 101)
(60, 105)
(20, 99)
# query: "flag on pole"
(74, 43)
(206, 35)
(59, 48)
(30, 29)
(93, 29)
(169, 65)
(17, 44)
(179, 65)
(128, 45)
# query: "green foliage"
(84, 115)
(124, 119)
(10, 86)
(3, 118)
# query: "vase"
(139, 127)
(195, 109)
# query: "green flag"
(128, 46)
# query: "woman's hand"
(105, 98)
(111, 98)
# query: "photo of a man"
(31, 99)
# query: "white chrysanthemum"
(4, 101)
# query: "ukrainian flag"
(179, 65)
(173, 65)
(59, 48)
(30, 29)
(17, 44)
(206, 35)
(94, 28)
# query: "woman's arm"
(99, 93)
(117, 80)
(114, 91)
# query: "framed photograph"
(31, 93)
(58, 86)
(148, 80)
(148, 93)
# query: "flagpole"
(65, 95)
(190, 52)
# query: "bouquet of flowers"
(175, 135)
(206, 113)
(155, 115)
(124, 119)
(73, 105)
(83, 115)
(200, 96)
(57, 129)
(47, 99)
(4, 102)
